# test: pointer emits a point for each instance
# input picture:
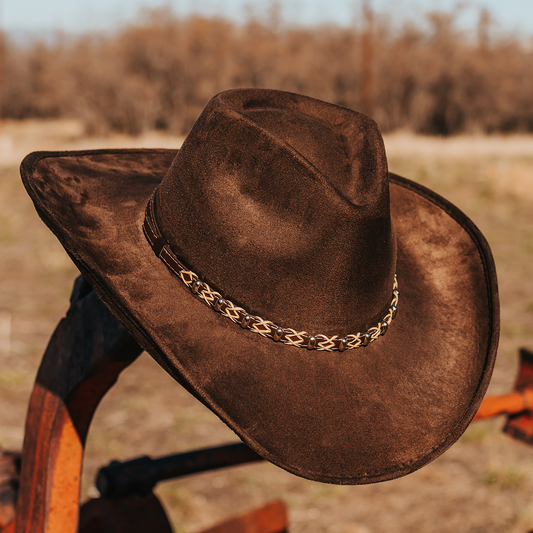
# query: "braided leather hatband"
(265, 328)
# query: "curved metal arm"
(86, 353)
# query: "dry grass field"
(483, 484)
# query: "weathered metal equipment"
(139, 476)
(83, 360)
(517, 405)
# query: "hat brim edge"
(143, 338)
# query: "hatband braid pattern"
(238, 315)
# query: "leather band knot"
(256, 324)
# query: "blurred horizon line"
(91, 20)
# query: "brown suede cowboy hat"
(343, 321)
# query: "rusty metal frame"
(83, 360)
(86, 354)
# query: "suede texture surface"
(359, 416)
(281, 202)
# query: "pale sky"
(82, 15)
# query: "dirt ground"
(483, 484)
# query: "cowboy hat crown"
(292, 214)
(257, 266)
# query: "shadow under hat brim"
(352, 417)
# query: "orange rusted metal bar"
(507, 404)
(520, 425)
(86, 353)
(517, 405)
(9, 528)
(269, 519)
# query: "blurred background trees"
(157, 73)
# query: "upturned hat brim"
(353, 417)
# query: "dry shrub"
(159, 72)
